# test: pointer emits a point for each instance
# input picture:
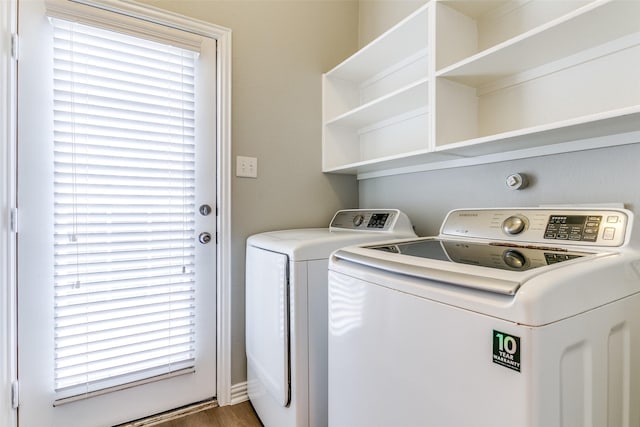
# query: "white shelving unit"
(472, 78)
(375, 104)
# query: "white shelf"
(426, 162)
(602, 130)
(378, 95)
(587, 27)
(615, 122)
(409, 159)
(403, 101)
(463, 82)
(402, 41)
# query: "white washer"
(286, 312)
(510, 317)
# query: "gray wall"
(280, 49)
(608, 175)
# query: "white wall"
(376, 16)
(280, 49)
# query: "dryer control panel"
(380, 220)
(588, 227)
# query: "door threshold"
(172, 414)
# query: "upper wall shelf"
(553, 42)
(469, 78)
(394, 46)
(409, 98)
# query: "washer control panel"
(381, 220)
(593, 227)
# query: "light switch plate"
(246, 167)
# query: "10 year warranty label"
(506, 350)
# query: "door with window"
(116, 201)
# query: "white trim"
(239, 393)
(224, 219)
(159, 16)
(8, 333)
(124, 23)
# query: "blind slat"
(129, 329)
(124, 208)
(113, 317)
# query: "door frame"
(8, 185)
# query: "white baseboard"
(239, 393)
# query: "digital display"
(378, 220)
(573, 227)
(572, 219)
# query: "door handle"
(204, 237)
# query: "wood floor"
(240, 415)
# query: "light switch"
(246, 167)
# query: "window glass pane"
(124, 208)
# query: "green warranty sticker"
(506, 350)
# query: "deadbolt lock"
(205, 210)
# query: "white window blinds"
(124, 209)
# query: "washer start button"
(609, 233)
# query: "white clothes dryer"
(286, 312)
(510, 317)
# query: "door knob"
(204, 238)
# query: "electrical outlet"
(246, 167)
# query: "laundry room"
(337, 116)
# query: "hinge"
(14, 46)
(15, 395)
(13, 220)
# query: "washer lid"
(495, 267)
(504, 256)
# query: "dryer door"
(267, 324)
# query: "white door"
(116, 321)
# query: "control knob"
(358, 220)
(514, 225)
(514, 259)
